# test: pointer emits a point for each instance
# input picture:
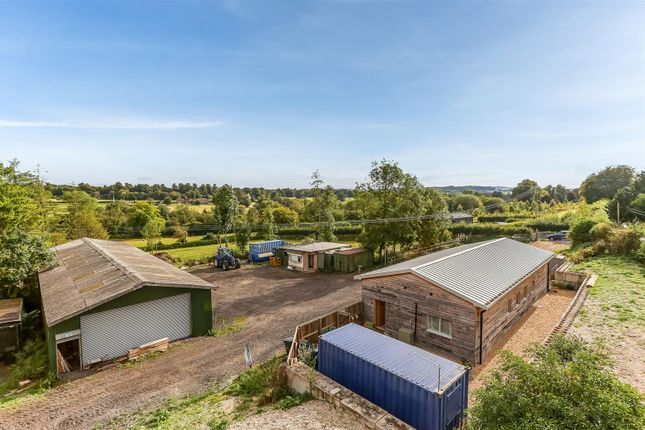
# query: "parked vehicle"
(226, 260)
(561, 235)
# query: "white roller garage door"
(110, 334)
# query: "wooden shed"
(458, 302)
(350, 260)
(309, 257)
(10, 327)
(104, 298)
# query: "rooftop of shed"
(91, 272)
(315, 247)
(10, 311)
(423, 368)
(478, 272)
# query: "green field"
(140, 242)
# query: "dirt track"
(274, 302)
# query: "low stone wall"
(302, 378)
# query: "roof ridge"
(113, 260)
(463, 251)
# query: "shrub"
(639, 254)
(602, 231)
(31, 363)
(567, 385)
(489, 229)
(581, 231)
(266, 382)
(623, 241)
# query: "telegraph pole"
(618, 210)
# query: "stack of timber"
(160, 345)
(61, 364)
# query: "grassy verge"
(259, 389)
(618, 296)
(227, 327)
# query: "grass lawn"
(140, 242)
(196, 253)
(614, 314)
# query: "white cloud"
(115, 125)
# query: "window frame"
(439, 331)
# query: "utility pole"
(618, 210)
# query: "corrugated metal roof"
(91, 272)
(314, 247)
(479, 272)
(10, 311)
(408, 362)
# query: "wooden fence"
(310, 330)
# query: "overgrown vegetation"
(31, 364)
(227, 327)
(568, 385)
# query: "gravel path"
(273, 300)
(534, 327)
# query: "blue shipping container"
(261, 251)
(420, 388)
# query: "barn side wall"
(401, 292)
(498, 322)
(200, 303)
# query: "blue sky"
(261, 93)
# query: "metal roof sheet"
(314, 247)
(479, 273)
(91, 272)
(413, 364)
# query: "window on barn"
(518, 298)
(526, 292)
(439, 326)
(509, 307)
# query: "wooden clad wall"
(498, 321)
(401, 292)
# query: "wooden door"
(379, 313)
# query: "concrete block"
(368, 412)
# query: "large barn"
(104, 298)
(459, 302)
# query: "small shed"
(457, 217)
(309, 257)
(422, 389)
(10, 326)
(105, 297)
(349, 260)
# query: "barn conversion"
(458, 302)
(104, 298)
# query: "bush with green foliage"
(581, 231)
(267, 383)
(31, 363)
(489, 229)
(568, 385)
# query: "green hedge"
(546, 226)
(489, 229)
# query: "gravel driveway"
(273, 300)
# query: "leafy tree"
(114, 216)
(622, 199)
(141, 213)
(183, 215)
(226, 208)
(389, 192)
(605, 183)
(581, 231)
(639, 204)
(82, 218)
(321, 208)
(523, 187)
(568, 385)
(21, 255)
(465, 202)
(284, 215)
(23, 200)
(151, 232)
(268, 223)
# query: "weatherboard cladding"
(479, 272)
(410, 363)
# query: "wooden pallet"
(160, 345)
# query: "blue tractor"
(226, 260)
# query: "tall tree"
(226, 208)
(23, 244)
(389, 192)
(82, 218)
(151, 232)
(605, 183)
(527, 190)
(321, 208)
